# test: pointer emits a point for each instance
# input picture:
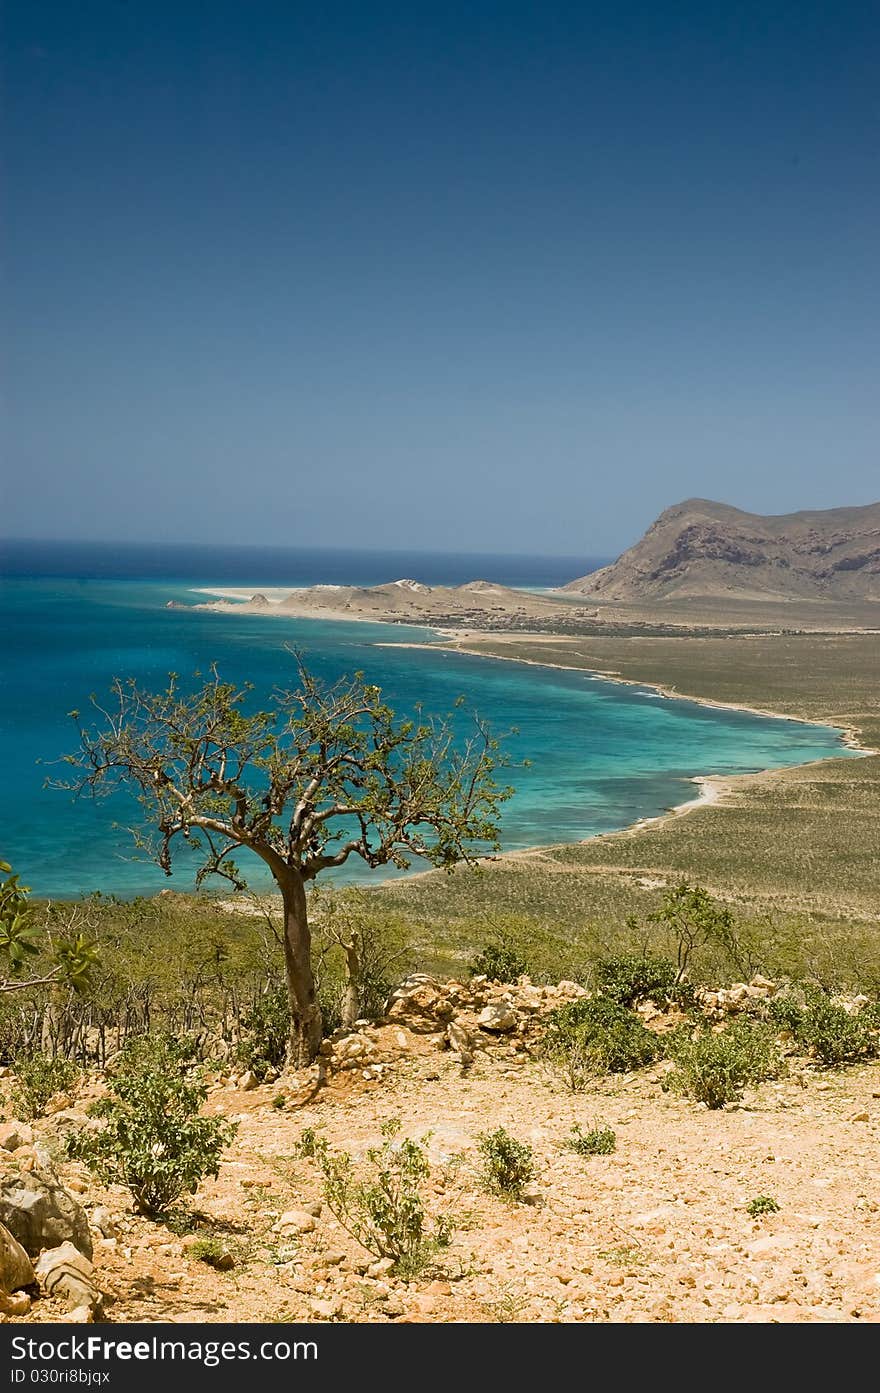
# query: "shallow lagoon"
(602, 754)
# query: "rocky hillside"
(699, 549)
(764, 1210)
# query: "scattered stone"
(248, 1081)
(352, 1047)
(460, 1041)
(16, 1304)
(295, 1221)
(500, 1018)
(40, 1212)
(860, 1117)
(66, 1274)
(101, 1219)
(327, 1310)
(15, 1134)
(419, 1004)
(15, 1265)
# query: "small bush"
(499, 961)
(266, 1027)
(508, 1165)
(825, 1028)
(154, 1141)
(762, 1204)
(599, 1141)
(381, 1203)
(636, 977)
(309, 1143)
(714, 1067)
(211, 1251)
(596, 1036)
(38, 1077)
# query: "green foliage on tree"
(65, 958)
(500, 960)
(38, 1077)
(634, 977)
(696, 920)
(265, 1031)
(325, 773)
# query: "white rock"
(15, 1134)
(295, 1221)
(499, 1018)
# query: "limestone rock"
(460, 1041)
(16, 1304)
(420, 1004)
(15, 1134)
(500, 1018)
(248, 1081)
(40, 1212)
(66, 1274)
(15, 1265)
(295, 1221)
(102, 1220)
(352, 1047)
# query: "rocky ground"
(658, 1230)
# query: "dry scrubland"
(764, 1209)
(663, 1226)
(795, 852)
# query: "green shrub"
(210, 1250)
(266, 1027)
(762, 1204)
(154, 1141)
(714, 1067)
(309, 1143)
(825, 1028)
(635, 977)
(380, 1203)
(38, 1077)
(596, 1035)
(500, 961)
(599, 1141)
(507, 1165)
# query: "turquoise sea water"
(602, 755)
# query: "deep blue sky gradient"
(475, 276)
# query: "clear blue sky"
(462, 276)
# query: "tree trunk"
(351, 1006)
(305, 1013)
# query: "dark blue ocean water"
(602, 755)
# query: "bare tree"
(325, 774)
(371, 945)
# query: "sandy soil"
(656, 1231)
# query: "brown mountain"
(699, 549)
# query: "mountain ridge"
(703, 549)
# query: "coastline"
(850, 734)
(712, 789)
